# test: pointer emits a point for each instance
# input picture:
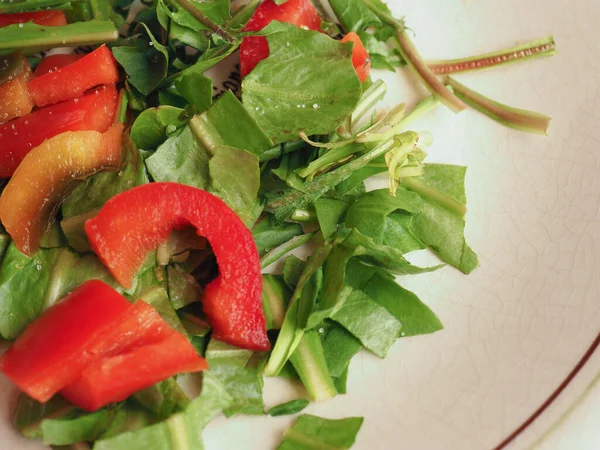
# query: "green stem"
(275, 296)
(421, 188)
(284, 249)
(331, 157)
(303, 215)
(518, 119)
(309, 361)
(243, 15)
(11, 6)
(368, 100)
(536, 49)
(121, 116)
(204, 20)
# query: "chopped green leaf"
(291, 407)
(312, 432)
(154, 125)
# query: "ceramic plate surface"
(522, 329)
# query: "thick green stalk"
(536, 49)
(368, 100)
(518, 119)
(284, 249)
(331, 157)
(422, 189)
(309, 361)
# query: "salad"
(149, 278)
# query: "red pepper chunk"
(50, 18)
(94, 111)
(115, 378)
(360, 57)
(54, 62)
(254, 49)
(71, 81)
(136, 221)
(53, 350)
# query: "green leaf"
(183, 288)
(291, 407)
(240, 372)
(397, 233)
(216, 10)
(17, 6)
(196, 89)
(31, 38)
(182, 430)
(369, 212)
(235, 178)
(306, 84)
(163, 399)
(416, 317)
(275, 297)
(129, 417)
(312, 432)
(292, 270)
(355, 16)
(80, 427)
(441, 226)
(372, 324)
(154, 125)
(30, 413)
(330, 212)
(181, 159)
(269, 234)
(339, 347)
(96, 190)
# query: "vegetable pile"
(147, 226)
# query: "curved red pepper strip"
(136, 221)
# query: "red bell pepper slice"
(360, 57)
(53, 350)
(115, 378)
(254, 49)
(94, 111)
(50, 18)
(32, 195)
(71, 81)
(14, 95)
(136, 221)
(54, 62)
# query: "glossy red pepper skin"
(15, 100)
(51, 18)
(360, 57)
(256, 48)
(71, 81)
(53, 350)
(54, 62)
(94, 111)
(136, 221)
(113, 379)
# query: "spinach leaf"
(306, 84)
(154, 125)
(416, 317)
(291, 407)
(369, 212)
(240, 372)
(182, 430)
(216, 10)
(269, 234)
(355, 16)
(441, 226)
(312, 432)
(339, 347)
(330, 212)
(99, 188)
(235, 178)
(397, 233)
(292, 270)
(181, 159)
(196, 89)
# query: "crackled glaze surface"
(519, 324)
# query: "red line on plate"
(538, 412)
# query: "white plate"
(519, 326)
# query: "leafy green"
(397, 233)
(183, 288)
(17, 6)
(306, 84)
(275, 297)
(355, 16)
(215, 10)
(182, 430)
(235, 178)
(99, 188)
(339, 347)
(240, 371)
(196, 89)
(291, 407)
(330, 212)
(154, 125)
(292, 270)
(278, 252)
(31, 38)
(29, 414)
(416, 317)
(312, 432)
(269, 234)
(77, 427)
(440, 226)
(163, 399)
(129, 417)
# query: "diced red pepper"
(136, 221)
(94, 111)
(54, 62)
(53, 350)
(360, 57)
(14, 96)
(50, 18)
(256, 48)
(115, 378)
(30, 198)
(71, 81)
